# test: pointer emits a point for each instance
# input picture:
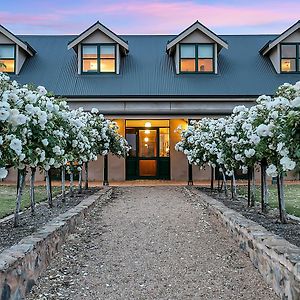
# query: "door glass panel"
(147, 167)
(164, 142)
(147, 143)
(131, 139)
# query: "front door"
(149, 155)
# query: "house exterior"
(151, 84)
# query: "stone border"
(22, 264)
(277, 260)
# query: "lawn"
(8, 197)
(292, 197)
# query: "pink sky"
(159, 17)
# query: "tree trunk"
(233, 187)
(32, 194)
(86, 169)
(253, 188)
(48, 188)
(225, 184)
(80, 182)
(264, 187)
(71, 184)
(63, 183)
(21, 184)
(249, 186)
(212, 179)
(281, 200)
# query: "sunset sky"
(147, 17)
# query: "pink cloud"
(157, 16)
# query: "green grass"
(8, 197)
(292, 197)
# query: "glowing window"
(289, 58)
(98, 58)
(197, 58)
(7, 58)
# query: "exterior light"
(147, 124)
(147, 131)
(146, 139)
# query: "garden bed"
(270, 220)
(43, 214)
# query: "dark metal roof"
(148, 71)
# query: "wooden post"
(190, 174)
(105, 171)
(281, 202)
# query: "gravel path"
(151, 243)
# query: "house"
(151, 84)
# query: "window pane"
(89, 65)
(147, 143)
(205, 51)
(288, 51)
(288, 65)
(205, 65)
(107, 65)
(89, 52)
(107, 51)
(131, 139)
(187, 51)
(7, 51)
(187, 65)
(9, 65)
(164, 142)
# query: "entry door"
(149, 154)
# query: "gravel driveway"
(151, 243)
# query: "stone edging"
(22, 264)
(277, 260)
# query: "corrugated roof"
(148, 71)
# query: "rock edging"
(277, 260)
(22, 264)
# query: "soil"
(151, 243)
(30, 223)
(270, 220)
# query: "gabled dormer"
(13, 52)
(99, 50)
(284, 50)
(196, 49)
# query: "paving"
(151, 243)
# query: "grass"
(8, 197)
(292, 197)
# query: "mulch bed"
(270, 220)
(29, 223)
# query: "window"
(290, 58)
(100, 58)
(7, 58)
(197, 58)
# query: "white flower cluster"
(267, 132)
(39, 130)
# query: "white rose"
(45, 142)
(41, 90)
(272, 171)
(287, 164)
(263, 130)
(94, 111)
(3, 173)
(249, 153)
(295, 102)
(16, 145)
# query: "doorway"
(149, 156)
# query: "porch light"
(146, 139)
(147, 124)
(147, 131)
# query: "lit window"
(197, 58)
(289, 60)
(7, 58)
(98, 59)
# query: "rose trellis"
(40, 132)
(267, 134)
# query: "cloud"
(160, 17)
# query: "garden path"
(151, 243)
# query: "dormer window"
(197, 58)
(289, 58)
(99, 58)
(7, 58)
